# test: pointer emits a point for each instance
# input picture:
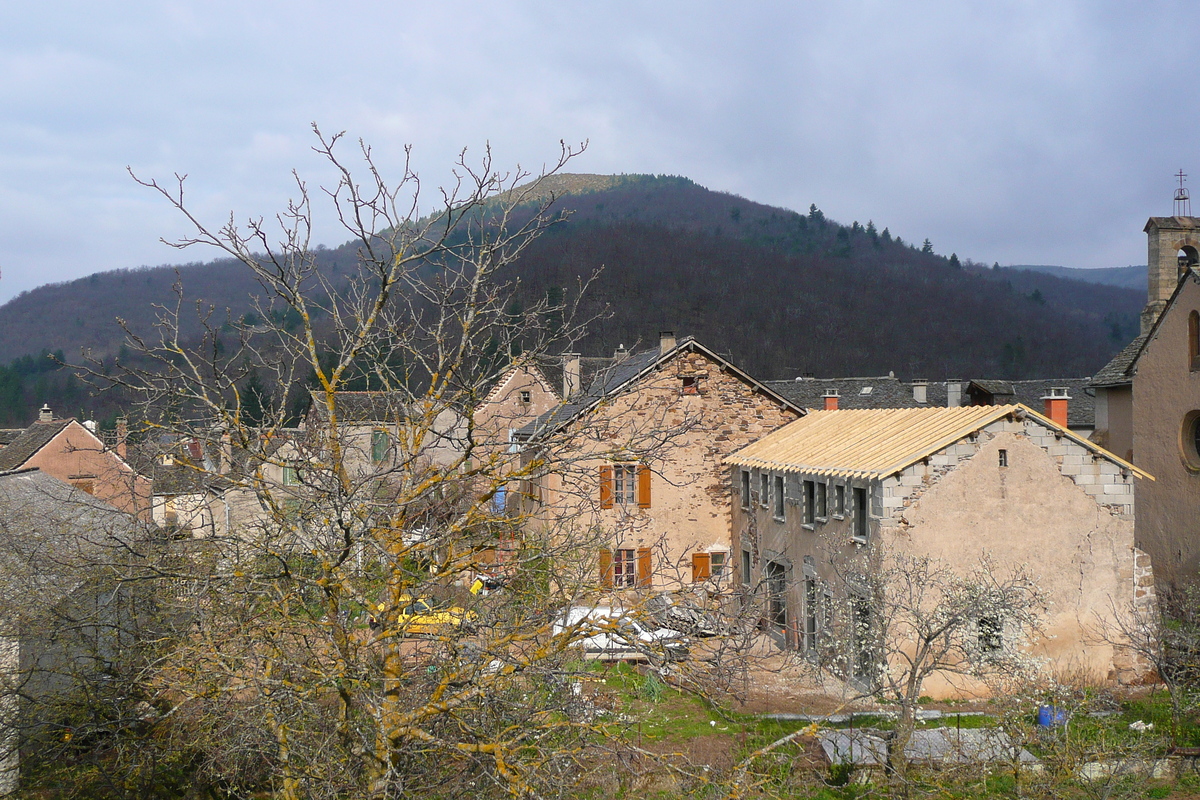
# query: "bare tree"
(329, 637)
(897, 621)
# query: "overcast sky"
(1023, 133)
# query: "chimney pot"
(666, 341)
(46, 415)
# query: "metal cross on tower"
(1183, 201)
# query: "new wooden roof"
(877, 443)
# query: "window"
(291, 477)
(810, 502)
(1194, 340)
(717, 559)
(745, 489)
(690, 386)
(810, 614)
(1003, 458)
(779, 497)
(777, 594)
(379, 446)
(860, 514)
(746, 567)
(625, 567)
(624, 484)
(821, 490)
(839, 500)
(991, 632)
(1189, 439)
(526, 396)
(708, 564)
(862, 633)
(764, 490)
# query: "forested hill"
(782, 292)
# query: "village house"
(951, 483)
(637, 460)
(73, 453)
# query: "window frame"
(839, 500)
(810, 502)
(764, 489)
(746, 489)
(779, 507)
(862, 514)
(624, 567)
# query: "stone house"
(73, 453)
(521, 394)
(636, 460)
(951, 483)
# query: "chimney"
(954, 392)
(571, 377)
(620, 354)
(46, 415)
(920, 390)
(666, 341)
(831, 399)
(122, 435)
(1056, 404)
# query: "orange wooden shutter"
(606, 486)
(606, 568)
(643, 555)
(643, 485)
(701, 567)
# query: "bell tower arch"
(1173, 245)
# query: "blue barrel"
(1050, 717)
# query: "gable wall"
(503, 411)
(75, 455)
(688, 435)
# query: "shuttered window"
(625, 484)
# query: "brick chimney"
(122, 435)
(46, 415)
(571, 374)
(831, 399)
(1056, 404)
(920, 390)
(666, 341)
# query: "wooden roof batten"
(879, 443)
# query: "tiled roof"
(31, 440)
(876, 443)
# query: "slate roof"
(1081, 409)
(590, 368)
(31, 440)
(184, 479)
(1117, 371)
(877, 443)
(8, 434)
(619, 376)
(52, 538)
(885, 391)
